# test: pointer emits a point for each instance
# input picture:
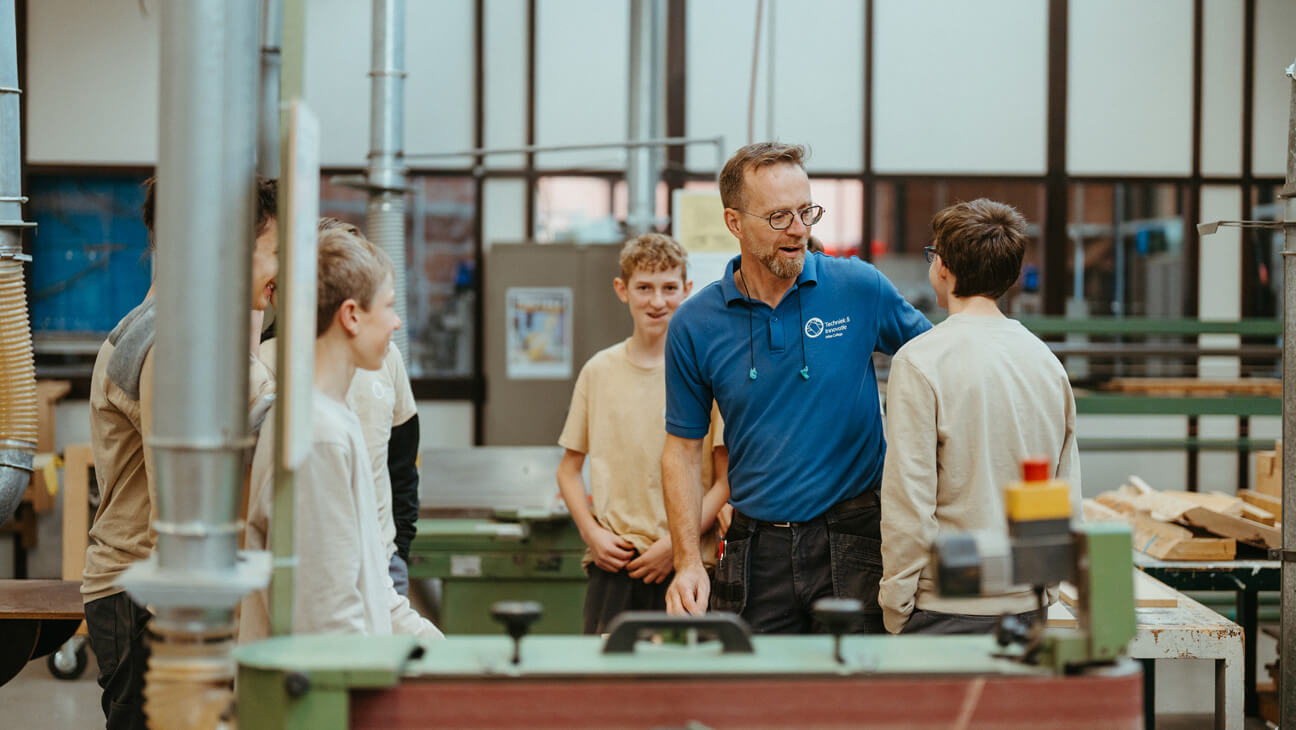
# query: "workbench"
(1244, 578)
(328, 682)
(36, 617)
(1188, 630)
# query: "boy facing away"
(966, 402)
(341, 583)
(617, 418)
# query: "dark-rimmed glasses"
(931, 253)
(781, 220)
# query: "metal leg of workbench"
(1149, 693)
(1248, 614)
(1191, 453)
(1244, 454)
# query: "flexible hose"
(17, 390)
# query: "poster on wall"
(539, 331)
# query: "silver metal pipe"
(646, 111)
(385, 215)
(1287, 648)
(206, 169)
(271, 63)
(17, 370)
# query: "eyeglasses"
(781, 220)
(931, 253)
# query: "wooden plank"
(1095, 511)
(1166, 541)
(1148, 593)
(1259, 514)
(1152, 593)
(1116, 502)
(1225, 503)
(77, 463)
(1060, 617)
(1268, 472)
(59, 599)
(1196, 387)
(1238, 528)
(1140, 487)
(1264, 501)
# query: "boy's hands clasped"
(655, 565)
(610, 551)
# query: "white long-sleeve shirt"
(340, 583)
(966, 402)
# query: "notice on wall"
(538, 324)
(698, 223)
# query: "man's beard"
(783, 268)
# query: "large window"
(902, 213)
(441, 268)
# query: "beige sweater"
(340, 583)
(966, 402)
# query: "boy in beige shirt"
(121, 421)
(340, 583)
(966, 402)
(617, 418)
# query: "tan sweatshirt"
(340, 583)
(966, 402)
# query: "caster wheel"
(69, 662)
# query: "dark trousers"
(934, 622)
(608, 594)
(771, 574)
(118, 635)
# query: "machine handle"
(733, 632)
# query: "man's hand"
(724, 517)
(610, 551)
(689, 592)
(655, 564)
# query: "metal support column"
(271, 63)
(647, 111)
(1287, 646)
(385, 217)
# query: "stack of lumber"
(1190, 525)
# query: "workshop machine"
(654, 670)
(493, 529)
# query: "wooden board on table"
(1238, 528)
(1148, 593)
(1267, 502)
(1166, 541)
(41, 599)
(1060, 617)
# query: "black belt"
(869, 498)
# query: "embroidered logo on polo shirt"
(815, 327)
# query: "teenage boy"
(966, 402)
(340, 583)
(121, 421)
(617, 418)
(384, 402)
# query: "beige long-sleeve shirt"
(340, 583)
(966, 402)
(382, 399)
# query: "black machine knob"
(517, 617)
(838, 615)
(1011, 630)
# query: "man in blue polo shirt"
(783, 342)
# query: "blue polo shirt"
(797, 446)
